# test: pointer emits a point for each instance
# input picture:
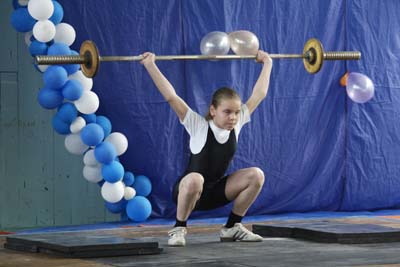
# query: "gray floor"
(206, 250)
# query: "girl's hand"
(148, 59)
(263, 57)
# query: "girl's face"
(226, 114)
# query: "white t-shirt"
(197, 127)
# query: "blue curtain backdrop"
(319, 150)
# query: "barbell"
(89, 58)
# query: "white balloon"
(23, 2)
(112, 192)
(88, 103)
(40, 9)
(129, 193)
(44, 31)
(42, 68)
(28, 36)
(77, 125)
(215, 43)
(119, 141)
(244, 43)
(92, 173)
(89, 158)
(74, 145)
(87, 83)
(65, 33)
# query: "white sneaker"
(177, 237)
(238, 233)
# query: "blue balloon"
(72, 68)
(67, 112)
(89, 118)
(21, 20)
(60, 126)
(105, 153)
(72, 90)
(92, 134)
(138, 209)
(55, 77)
(112, 172)
(118, 207)
(105, 123)
(58, 13)
(38, 48)
(129, 178)
(142, 185)
(49, 98)
(59, 49)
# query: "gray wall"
(41, 184)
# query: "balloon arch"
(69, 91)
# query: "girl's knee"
(257, 176)
(192, 183)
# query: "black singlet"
(213, 160)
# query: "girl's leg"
(243, 187)
(190, 188)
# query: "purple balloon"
(359, 87)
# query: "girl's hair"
(223, 93)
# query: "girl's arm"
(260, 89)
(164, 86)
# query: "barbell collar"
(342, 55)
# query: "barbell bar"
(89, 58)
